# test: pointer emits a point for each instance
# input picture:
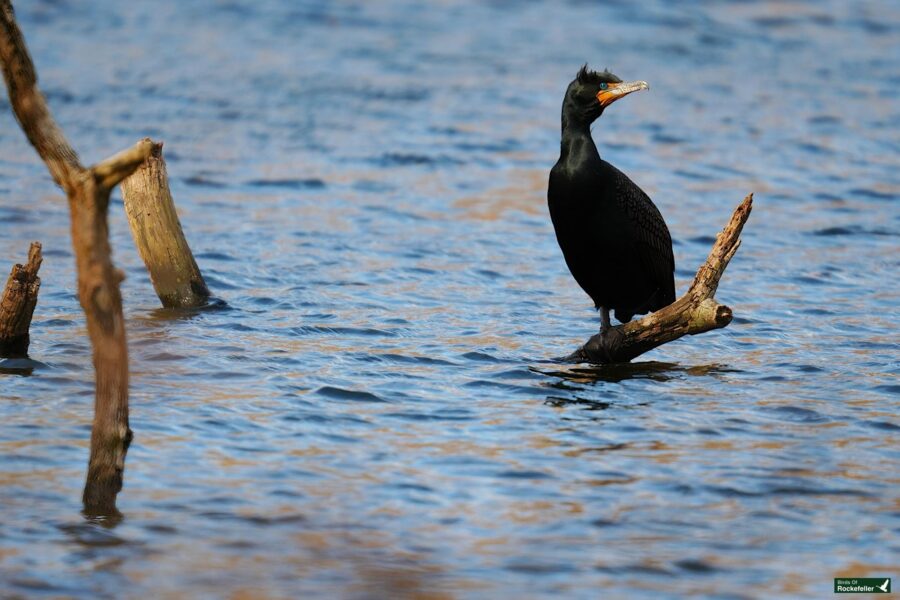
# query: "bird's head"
(592, 91)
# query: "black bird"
(613, 238)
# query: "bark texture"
(88, 192)
(158, 235)
(695, 312)
(17, 305)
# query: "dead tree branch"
(88, 192)
(17, 305)
(158, 235)
(695, 312)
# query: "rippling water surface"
(378, 410)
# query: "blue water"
(378, 412)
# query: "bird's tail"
(666, 295)
(660, 298)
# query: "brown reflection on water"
(526, 191)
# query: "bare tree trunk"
(158, 235)
(695, 312)
(17, 305)
(98, 280)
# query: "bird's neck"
(577, 145)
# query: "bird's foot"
(603, 347)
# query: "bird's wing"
(653, 243)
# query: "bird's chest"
(587, 215)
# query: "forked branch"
(98, 280)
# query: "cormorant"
(613, 238)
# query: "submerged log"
(17, 305)
(158, 235)
(88, 192)
(697, 311)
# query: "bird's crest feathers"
(586, 76)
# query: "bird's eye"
(603, 86)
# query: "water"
(378, 411)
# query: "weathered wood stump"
(17, 305)
(695, 312)
(158, 235)
(88, 192)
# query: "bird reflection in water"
(616, 373)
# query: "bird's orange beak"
(620, 90)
